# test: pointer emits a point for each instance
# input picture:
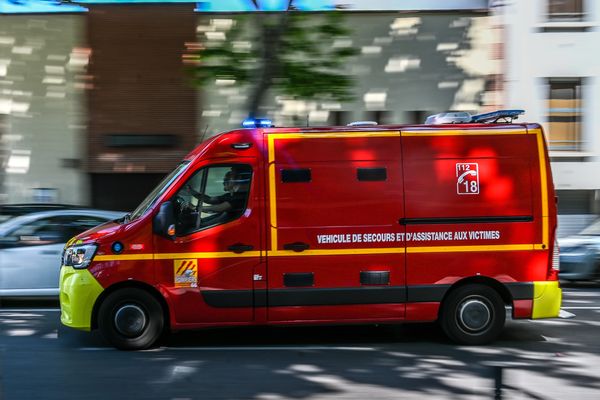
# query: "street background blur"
(99, 99)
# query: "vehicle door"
(336, 249)
(207, 269)
(30, 255)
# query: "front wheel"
(473, 314)
(131, 319)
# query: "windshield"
(593, 229)
(158, 191)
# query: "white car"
(31, 248)
(580, 255)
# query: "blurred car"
(31, 248)
(580, 254)
(8, 211)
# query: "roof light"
(460, 117)
(494, 116)
(257, 123)
(362, 123)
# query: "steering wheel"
(181, 205)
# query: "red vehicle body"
(341, 225)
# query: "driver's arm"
(221, 207)
(202, 197)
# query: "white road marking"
(581, 308)
(245, 348)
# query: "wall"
(42, 106)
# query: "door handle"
(296, 246)
(240, 248)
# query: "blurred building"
(141, 107)
(42, 103)
(415, 58)
(96, 104)
(553, 72)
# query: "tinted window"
(295, 175)
(38, 232)
(212, 196)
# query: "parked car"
(580, 254)
(31, 248)
(8, 211)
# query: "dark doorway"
(122, 192)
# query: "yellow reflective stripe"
(336, 252)
(273, 206)
(329, 135)
(124, 257)
(173, 256)
(466, 132)
(454, 249)
(544, 184)
(328, 252)
(272, 202)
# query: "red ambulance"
(357, 224)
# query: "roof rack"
(492, 117)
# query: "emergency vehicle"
(453, 221)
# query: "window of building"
(416, 116)
(212, 196)
(339, 118)
(564, 114)
(565, 10)
(381, 117)
(575, 201)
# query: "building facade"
(97, 103)
(553, 72)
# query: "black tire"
(131, 319)
(473, 314)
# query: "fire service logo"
(467, 178)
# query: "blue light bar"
(257, 123)
(496, 115)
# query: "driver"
(231, 201)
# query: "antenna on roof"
(203, 134)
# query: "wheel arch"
(501, 289)
(125, 285)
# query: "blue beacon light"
(257, 123)
(117, 247)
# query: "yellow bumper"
(78, 293)
(547, 297)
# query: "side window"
(36, 233)
(212, 196)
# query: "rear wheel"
(131, 319)
(473, 314)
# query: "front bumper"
(547, 297)
(79, 291)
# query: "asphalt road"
(548, 359)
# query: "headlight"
(79, 256)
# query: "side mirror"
(164, 222)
